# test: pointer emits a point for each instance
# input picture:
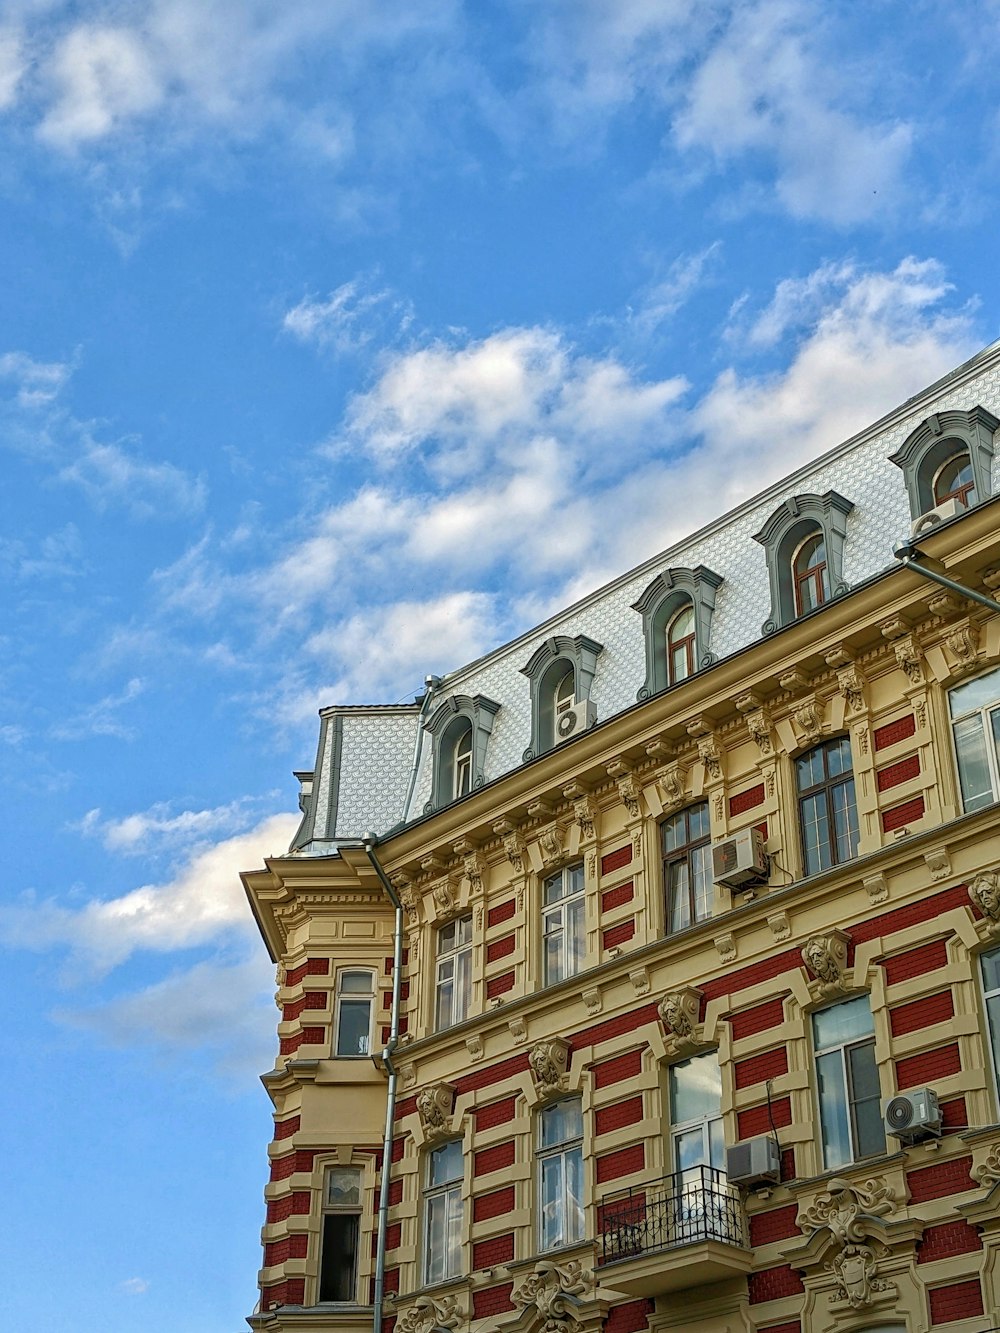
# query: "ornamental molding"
(553, 1293)
(825, 958)
(962, 644)
(909, 659)
(851, 1216)
(551, 845)
(549, 1063)
(475, 868)
(988, 1170)
(434, 1105)
(513, 844)
(444, 895)
(585, 815)
(851, 684)
(679, 1011)
(672, 785)
(984, 891)
(711, 755)
(429, 1313)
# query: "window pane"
(356, 983)
(868, 1129)
(338, 1259)
(354, 1026)
(674, 832)
(453, 1236)
(838, 756)
(993, 1015)
(445, 1163)
(463, 986)
(991, 970)
(809, 769)
(842, 1023)
(816, 849)
(575, 936)
(437, 1223)
(446, 937)
(833, 1109)
(845, 820)
(698, 822)
(574, 1194)
(695, 1089)
(701, 870)
(551, 1193)
(973, 764)
(975, 694)
(679, 906)
(561, 1122)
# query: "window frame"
(684, 852)
(705, 1122)
(935, 442)
(575, 900)
(817, 574)
(569, 1153)
(451, 1193)
(458, 717)
(460, 958)
(786, 530)
(826, 787)
(960, 493)
(461, 762)
(670, 593)
(546, 669)
(850, 1102)
(986, 734)
(342, 998)
(328, 1246)
(688, 644)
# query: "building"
(669, 987)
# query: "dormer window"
(949, 457)
(681, 645)
(810, 576)
(461, 729)
(676, 610)
(561, 672)
(954, 481)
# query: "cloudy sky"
(339, 341)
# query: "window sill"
(861, 1166)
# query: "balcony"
(681, 1231)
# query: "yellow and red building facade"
(593, 1014)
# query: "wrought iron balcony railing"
(685, 1209)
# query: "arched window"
(462, 761)
(461, 729)
(561, 672)
(681, 645)
(954, 480)
(810, 575)
(948, 457)
(563, 699)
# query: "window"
(462, 763)
(687, 867)
(338, 1264)
(948, 457)
(355, 996)
(809, 574)
(454, 972)
(561, 672)
(560, 1174)
(828, 815)
(804, 542)
(680, 646)
(954, 481)
(975, 721)
(461, 728)
(696, 1114)
(443, 1213)
(990, 965)
(850, 1115)
(676, 610)
(563, 926)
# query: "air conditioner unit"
(935, 517)
(913, 1115)
(754, 1162)
(740, 859)
(579, 717)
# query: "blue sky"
(340, 341)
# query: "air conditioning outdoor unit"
(579, 717)
(754, 1162)
(913, 1115)
(740, 860)
(935, 517)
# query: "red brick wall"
(313, 999)
(940, 1180)
(759, 1068)
(775, 1224)
(755, 1119)
(621, 1162)
(924, 909)
(617, 1069)
(492, 1301)
(496, 1250)
(907, 813)
(770, 1284)
(493, 1159)
(500, 948)
(615, 860)
(915, 962)
(283, 1167)
(946, 1240)
(901, 771)
(619, 1116)
(961, 1300)
(616, 935)
(894, 732)
(289, 1247)
(746, 800)
(288, 1205)
(495, 1113)
(927, 1067)
(495, 1204)
(291, 1292)
(312, 967)
(921, 1013)
(499, 985)
(748, 1022)
(617, 897)
(284, 1129)
(629, 1318)
(502, 912)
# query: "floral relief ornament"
(554, 1290)
(851, 1214)
(988, 1171)
(428, 1313)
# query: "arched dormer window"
(676, 610)
(804, 544)
(561, 672)
(461, 729)
(948, 457)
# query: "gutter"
(910, 558)
(370, 843)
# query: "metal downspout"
(909, 556)
(390, 1103)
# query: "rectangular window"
(563, 924)
(975, 719)
(454, 972)
(355, 1001)
(990, 965)
(828, 814)
(850, 1115)
(560, 1174)
(338, 1265)
(687, 867)
(443, 1213)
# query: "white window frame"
(445, 1197)
(850, 1102)
(565, 1156)
(984, 713)
(705, 1122)
(353, 998)
(354, 1209)
(992, 1038)
(565, 918)
(454, 968)
(462, 763)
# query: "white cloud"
(134, 1286)
(38, 383)
(159, 827)
(349, 318)
(11, 65)
(203, 903)
(111, 476)
(101, 718)
(101, 77)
